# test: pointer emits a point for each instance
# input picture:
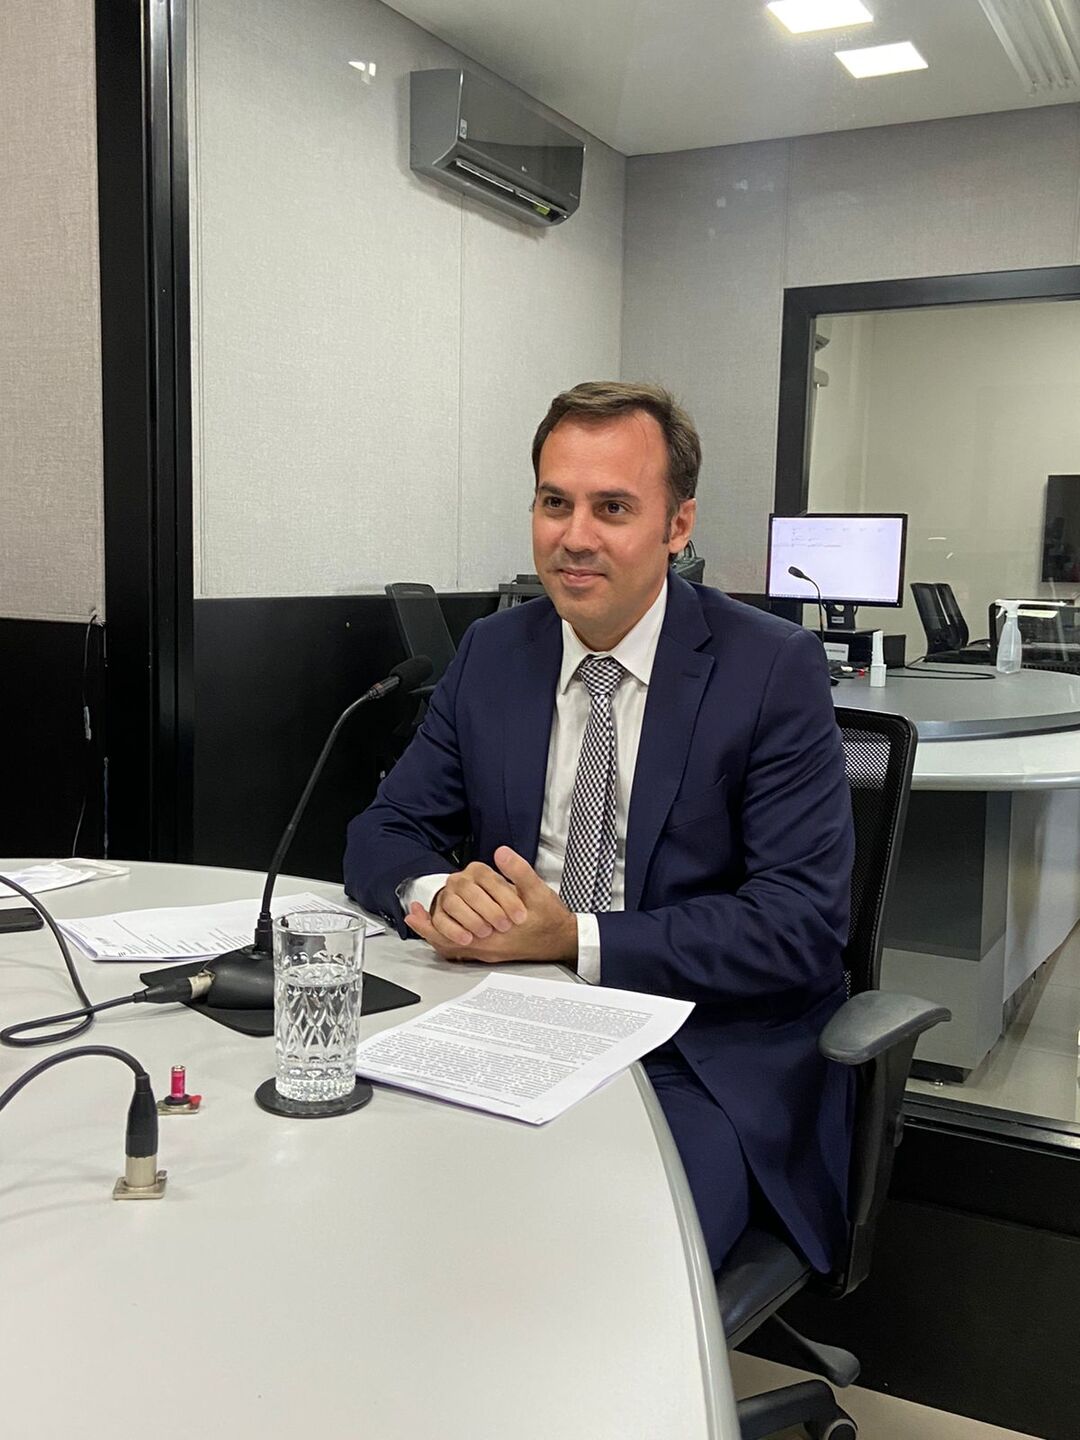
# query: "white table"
(411, 1271)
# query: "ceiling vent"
(1041, 38)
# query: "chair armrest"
(869, 1024)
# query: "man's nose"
(580, 533)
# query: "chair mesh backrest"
(421, 624)
(879, 752)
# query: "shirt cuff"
(423, 890)
(588, 948)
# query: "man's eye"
(614, 507)
(552, 502)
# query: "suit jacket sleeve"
(781, 931)
(420, 814)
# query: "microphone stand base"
(267, 1098)
(243, 979)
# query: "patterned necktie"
(590, 841)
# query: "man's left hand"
(549, 931)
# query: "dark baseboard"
(964, 1314)
(49, 765)
(970, 1305)
(271, 677)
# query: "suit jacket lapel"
(528, 705)
(679, 676)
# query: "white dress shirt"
(635, 652)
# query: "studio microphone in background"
(244, 979)
(801, 575)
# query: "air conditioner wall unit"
(476, 138)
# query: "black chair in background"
(947, 636)
(422, 627)
(523, 587)
(875, 1033)
(690, 565)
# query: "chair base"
(810, 1403)
(838, 1366)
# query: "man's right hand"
(473, 903)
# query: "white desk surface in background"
(1021, 762)
(410, 1271)
(1042, 761)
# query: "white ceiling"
(654, 75)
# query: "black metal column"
(145, 344)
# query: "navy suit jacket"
(738, 857)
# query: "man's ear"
(682, 526)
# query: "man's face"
(601, 534)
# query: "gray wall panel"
(715, 236)
(51, 539)
(540, 312)
(372, 351)
(985, 192)
(703, 279)
(328, 306)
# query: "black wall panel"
(271, 677)
(48, 765)
(964, 1314)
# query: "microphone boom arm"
(264, 928)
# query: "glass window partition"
(966, 418)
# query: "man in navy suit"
(653, 784)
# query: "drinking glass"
(318, 975)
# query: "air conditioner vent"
(493, 144)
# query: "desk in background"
(482, 1278)
(989, 878)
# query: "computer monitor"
(854, 560)
(1061, 530)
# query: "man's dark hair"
(606, 399)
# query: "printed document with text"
(519, 1046)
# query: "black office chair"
(422, 627)
(947, 636)
(689, 564)
(522, 588)
(874, 1032)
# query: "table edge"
(712, 1344)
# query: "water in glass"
(317, 1011)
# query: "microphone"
(244, 979)
(801, 575)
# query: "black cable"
(87, 729)
(168, 992)
(141, 1131)
(51, 1060)
(12, 1034)
(7, 1036)
(946, 672)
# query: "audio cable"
(141, 1178)
(20, 1036)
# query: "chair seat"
(756, 1278)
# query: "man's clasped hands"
(508, 913)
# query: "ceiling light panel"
(882, 60)
(802, 16)
(1041, 39)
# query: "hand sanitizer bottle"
(877, 661)
(1008, 649)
